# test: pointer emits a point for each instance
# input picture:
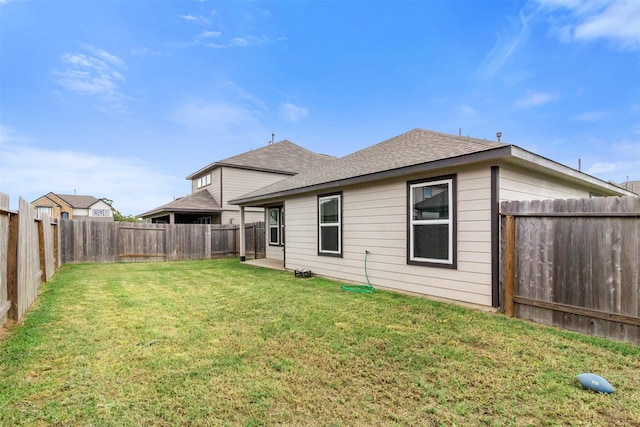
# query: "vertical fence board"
(5, 302)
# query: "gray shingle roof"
(200, 201)
(79, 202)
(415, 147)
(283, 157)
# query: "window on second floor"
(204, 180)
(44, 210)
(100, 212)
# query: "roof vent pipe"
(499, 135)
(272, 136)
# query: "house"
(215, 184)
(421, 209)
(71, 206)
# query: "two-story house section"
(215, 184)
(71, 206)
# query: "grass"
(220, 343)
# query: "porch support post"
(243, 256)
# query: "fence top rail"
(573, 214)
(8, 212)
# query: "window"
(44, 210)
(204, 180)
(432, 222)
(330, 225)
(100, 212)
(276, 226)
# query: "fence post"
(255, 242)
(510, 271)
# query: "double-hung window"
(276, 226)
(330, 225)
(432, 222)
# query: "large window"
(330, 225)
(432, 222)
(276, 226)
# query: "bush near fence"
(574, 264)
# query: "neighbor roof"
(200, 201)
(79, 202)
(414, 151)
(282, 157)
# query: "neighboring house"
(71, 206)
(423, 204)
(215, 184)
(631, 186)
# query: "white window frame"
(44, 210)
(338, 224)
(450, 262)
(279, 226)
(204, 180)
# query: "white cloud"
(615, 21)
(242, 42)
(292, 112)
(601, 167)
(218, 116)
(592, 116)
(534, 99)
(195, 19)
(132, 184)
(209, 34)
(466, 110)
(506, 46)
(93, 74)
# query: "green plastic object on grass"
(362, 289)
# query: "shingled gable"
(282, 157)
(415, 147)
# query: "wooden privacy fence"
(28, 257)
(574, 264)
(101, 241)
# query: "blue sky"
(124, 99)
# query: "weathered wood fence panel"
(5, 303)
(28, 256)
(28, 264)
(576, 264)
(97, 241)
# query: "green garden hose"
(362, 289)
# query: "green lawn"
(220, 343)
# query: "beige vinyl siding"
(238, 182)
(522, 184)
(375, 219)
(215, 187)
(233, 216)
(275, 252)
